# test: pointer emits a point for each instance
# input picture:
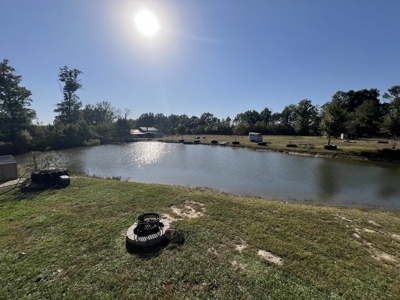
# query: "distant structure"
(147, 132)
(8, 168)
(349, 136)
(255, 137)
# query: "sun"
(146, 23)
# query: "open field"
(361, 148)
(70, 244)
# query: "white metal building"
(8, 168)
(255, 137)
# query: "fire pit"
(146, 231)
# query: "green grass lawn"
(70, 244)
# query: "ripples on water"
(241, 171)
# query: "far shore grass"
(70, 244)
(363, 148)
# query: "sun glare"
(146, 23)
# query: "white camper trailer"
(255, 137)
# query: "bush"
(22, 141)
(92, 142)
(7, 148)
(389, 153)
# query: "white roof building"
(147, 132)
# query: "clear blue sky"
(218, 56)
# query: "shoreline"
(300, 153)
(364, 153)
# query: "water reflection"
(328, 184)
(388, 187)
(241, 171)
(147, 153)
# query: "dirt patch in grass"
(190, 210)
(378, 254)
(241, 247)
(166, 219)
(374, 223)
(212, 250)
(396, 237)
(270, 257)
(358, 230)
(344, 218)
(238, 265)
(375, 253)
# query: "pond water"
(241, 171)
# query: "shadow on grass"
(147, 253)
(21, 193)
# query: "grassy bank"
(70, 244)
(357, 149)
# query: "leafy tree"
(23, 140)
(161, 122)
(68, 109)
(104, 132)
(69, 135)
(391, 121)
(391, 125)
(123, 126)
(249, 117)
(41, 135)
(238, 119)
(224, 127)
(209, 122)
(241, 129)
(145, 120)
(101, 112)
(366, 118)
(173, 123)
(393, 95)
(288, 115)
(305, 113)
(275, 118)
(184, 120)
(265, 115)
(341, 99)
(333, 119)
(208, 119)
(14, 100)
(181, 130)
(193, 123)
(315, 120)
(355, 99)
(352, 99)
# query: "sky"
(219, 56)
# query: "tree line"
(363, 112)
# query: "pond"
(271, 175)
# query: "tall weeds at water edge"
(116, 178)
